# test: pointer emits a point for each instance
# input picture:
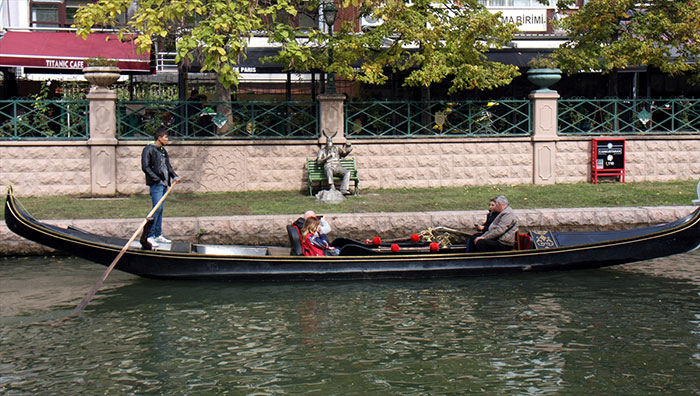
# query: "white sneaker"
(162, 239)
(152, 241)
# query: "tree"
(217, 31)
(617, 34)
(432, 40)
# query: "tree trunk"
(223, 106)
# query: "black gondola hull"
(677, 237)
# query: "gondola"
(362, 259)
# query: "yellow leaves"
(143, 42)
(221, 26)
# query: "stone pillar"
(544, 136)
(103, 140)
(332, 117)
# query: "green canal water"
(631, 330)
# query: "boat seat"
(294, 239)
(522, 242)
(278, 251)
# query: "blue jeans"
(157, 192)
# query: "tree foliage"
(431, 40)
(216, 31)
(617, 34)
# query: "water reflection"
(607, 332)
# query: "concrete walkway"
(270, 229)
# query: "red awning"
(66, 51)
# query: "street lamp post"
(330, 11)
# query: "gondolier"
(159, 173)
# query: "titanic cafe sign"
(527, 19)
(65, 64)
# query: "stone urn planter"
(102, 76)
(544, 77)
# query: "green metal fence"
(218, 120)
(627, 116)
(383, 119)
(68, 119)
(44, 119)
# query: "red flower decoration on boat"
(377, 241)
(395, 248)
(434, 247)
(367, 241)
(415, 238)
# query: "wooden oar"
(109, 269)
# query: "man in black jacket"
(156, 165)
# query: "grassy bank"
(404, 200)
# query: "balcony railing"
(165, 62)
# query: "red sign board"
(607, 158)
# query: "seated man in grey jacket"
(501, 234)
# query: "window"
(54, 13)
(308, 19)
(72, 8)
(304, 19)
(45, 15)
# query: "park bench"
(316, 173)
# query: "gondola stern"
(10, 209)
(14, 214)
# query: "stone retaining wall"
(57, 168)
(270, 230)
(46, 168)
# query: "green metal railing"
(220, 120)
(44, 119)
(383, 119)
(68, 119)
(627, 116)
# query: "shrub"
(542, 62)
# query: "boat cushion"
(522, 242)
(294, 239)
